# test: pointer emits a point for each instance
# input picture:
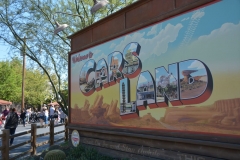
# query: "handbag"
(3, 118)
(55, 116)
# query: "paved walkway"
(27, 137)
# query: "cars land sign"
(156, 92)
(75, 138)
(167, 76)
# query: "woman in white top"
(46, 117)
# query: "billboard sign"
(180, 74)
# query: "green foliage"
(43, 154)
(85, 153)
(33, 19)
(55, 155)
(11, 83)
(10, 80)
(54, 147)
(77, 153)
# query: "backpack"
(23, 115)
(55, 115)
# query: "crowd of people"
(54, 113)
(9, 118)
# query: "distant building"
(90, 85)
(101, 75)
(114, 67)
(125, 106)
(123, 98)
(145, 91)
(82, 79)
(132, 64)
(129, 108)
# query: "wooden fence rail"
(5, 148)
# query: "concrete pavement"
(26, 137)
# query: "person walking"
(56, 115)
(23, 117)
(1, 121)
(12, 123)
(46, 114)
(41, 116)
(4, 115)
(28, 114)
(51, 112)
(62, 116)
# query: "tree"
(33, 19)
(36, 83)
(10, 80)
(36, 87)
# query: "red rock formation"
(113, 114)
(229, 121)
(98, 112)
(222, 112)
(147, 121)
(227, 106)
(231, 107)
(188, 114)
(217, 117)
(86, 105)
(98, 101)
(113, 108)
(75, 106)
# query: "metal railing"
(5, 148)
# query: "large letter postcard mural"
(181, 74)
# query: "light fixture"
(98, 4)
(61, 27)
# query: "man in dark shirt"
(12, 123)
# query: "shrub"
(54, 147)
(55, 155)
(43, 153)
(86, 153)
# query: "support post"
(34, 138)
(23, 72)
(51, 132)
(66, 129)
(5, 144)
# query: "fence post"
(33, 138)
(51, 132)
(5, 144)
(66, 129)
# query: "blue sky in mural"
(172, 69)
(87, 65)
(192, 65)
(160, 39)
(100, 64)
(144, 78)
